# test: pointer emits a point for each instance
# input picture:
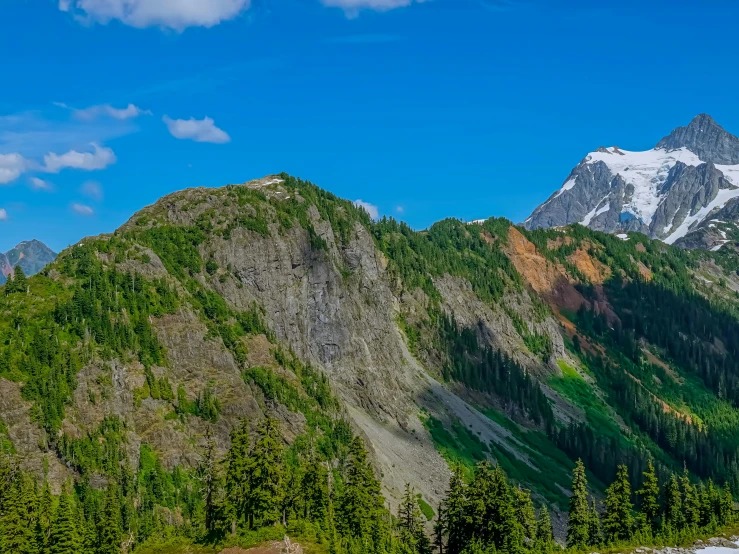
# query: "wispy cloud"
(40, 184)
(11, 167)
(199, 130)
(364, 39)
(100, 158)
(92, 189)
(106, 110)
(81, 209)
(171, 14)
(353, 7)
(371, 209)
(3, 214)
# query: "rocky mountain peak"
(31, 255)
(706, 138)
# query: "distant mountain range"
(32, 256)
(684, 191)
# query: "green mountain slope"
(460, 343)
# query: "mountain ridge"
(666, 192)
(32, 255)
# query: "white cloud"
(371, 209)
(353, 7)
(3, 214)
(40, 184)
(199, 130)
(399, 209)
(172, 14)
(93, 112)
(99, 158)
(81, 209)
(11, 167)
(92, 189)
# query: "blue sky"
(463, 108)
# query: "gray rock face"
(664, 193)
(706, 138)
(32, 256)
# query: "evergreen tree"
(691, 502)
(726, 506)
(544, 532)
(649, 498)
(618, 522)
(595, 529)
(526, 513)
(237, 481)
(440, 528)
(673, 504)
(265, 475)
(63, 535)
(456, 513)
(314, 489)
(208, 474)
(410, 524)
(109, 532)
(45, 515)
(579, 513)
(18, 521)
(361, 498)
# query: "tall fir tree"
(544, 532)
(19, 518)
(237, 479)
(63, 534)
(209, 483)
(314, 489)
(109, 531)
(691, 501)
(618, 522)
(456, 512)
(410, 524)
(595, 528)
(648, 494)
(579, 512)
(674, 516)
(45, 515)
(265, 475)
(361, 498)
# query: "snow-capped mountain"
(689, 179)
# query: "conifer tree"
(595, 529)
(18, 521)
(45, 515)
(691, 502)
(361, 498)
(440, 528)
(673, 503)
(314, 489)
(109, 532)
(526, 513)
(410, 523)
(544, 532)
(265, 475)
(237, 481)
(208, 476)
(726, 506)
(456, 512)
(579, 513)
(63, 535)
(618, 522)
(649, 498)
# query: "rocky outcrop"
(706, 138)
(32, 256)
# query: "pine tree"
(265, 475)
(63, 535)
(45, 515)
(456, 513)
(237, 481)
(673, 503)
(526, 513)
(410, 524)
(314, 490)
(18, 521)
(208, 476)
(726, 506)
(109, 532)
(691, 502)
(579, 513)
(649, 498)
(361, 499)
(595, 529)
(440, 528)
(544, 532)
(618, 522)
